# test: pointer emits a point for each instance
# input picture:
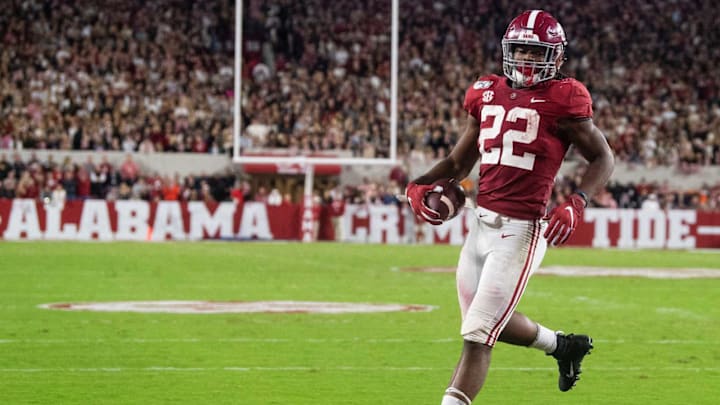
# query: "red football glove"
(563, 220)
(415, 194)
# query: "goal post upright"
(309, 162)
(308, 222)
(394, 50)
(238, 157)
(237, 79)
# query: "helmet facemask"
(527, 73)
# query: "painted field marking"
(589, 271)
(655, 273)
(225, 307)
(167, 369)
(313, 341)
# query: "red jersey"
(520, 150)
(337, 207)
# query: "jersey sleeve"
(472, 102)
(579, 102)
(473, 95)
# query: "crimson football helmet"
(535, 28)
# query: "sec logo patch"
(488, 96)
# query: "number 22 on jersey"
(494, 156)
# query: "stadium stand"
(156, 76)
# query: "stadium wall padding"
(137, 220)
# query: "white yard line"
(39, 342)
(592, 271)
(651, 272)
(166, 369)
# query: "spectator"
(98, 180)
(650, 203)
(84, 185)
(129, 170)
(274, 198)
(170, 189)
(58, 196)
(69, 183)
(604, 199)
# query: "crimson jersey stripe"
(519, 287)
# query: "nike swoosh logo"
(537, 100)
(506, 236)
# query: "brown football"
(448, 202)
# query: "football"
(447, 198)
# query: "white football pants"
(499, 256)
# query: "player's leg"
(568, 350)
(521, 330)
(475, 358)
(470, 374)
(505, 269)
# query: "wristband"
(583, 195)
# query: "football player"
(520, 127)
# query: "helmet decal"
(531, 18)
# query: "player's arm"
(593, 146)
(456, 166)
(460, 161)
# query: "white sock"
(450, 400)
(546, 340)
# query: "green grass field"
(656, 340)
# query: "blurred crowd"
(64, 180)
(157, 75)
(641, 194)
(124, 75)
(320, 78)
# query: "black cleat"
(571, 349)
